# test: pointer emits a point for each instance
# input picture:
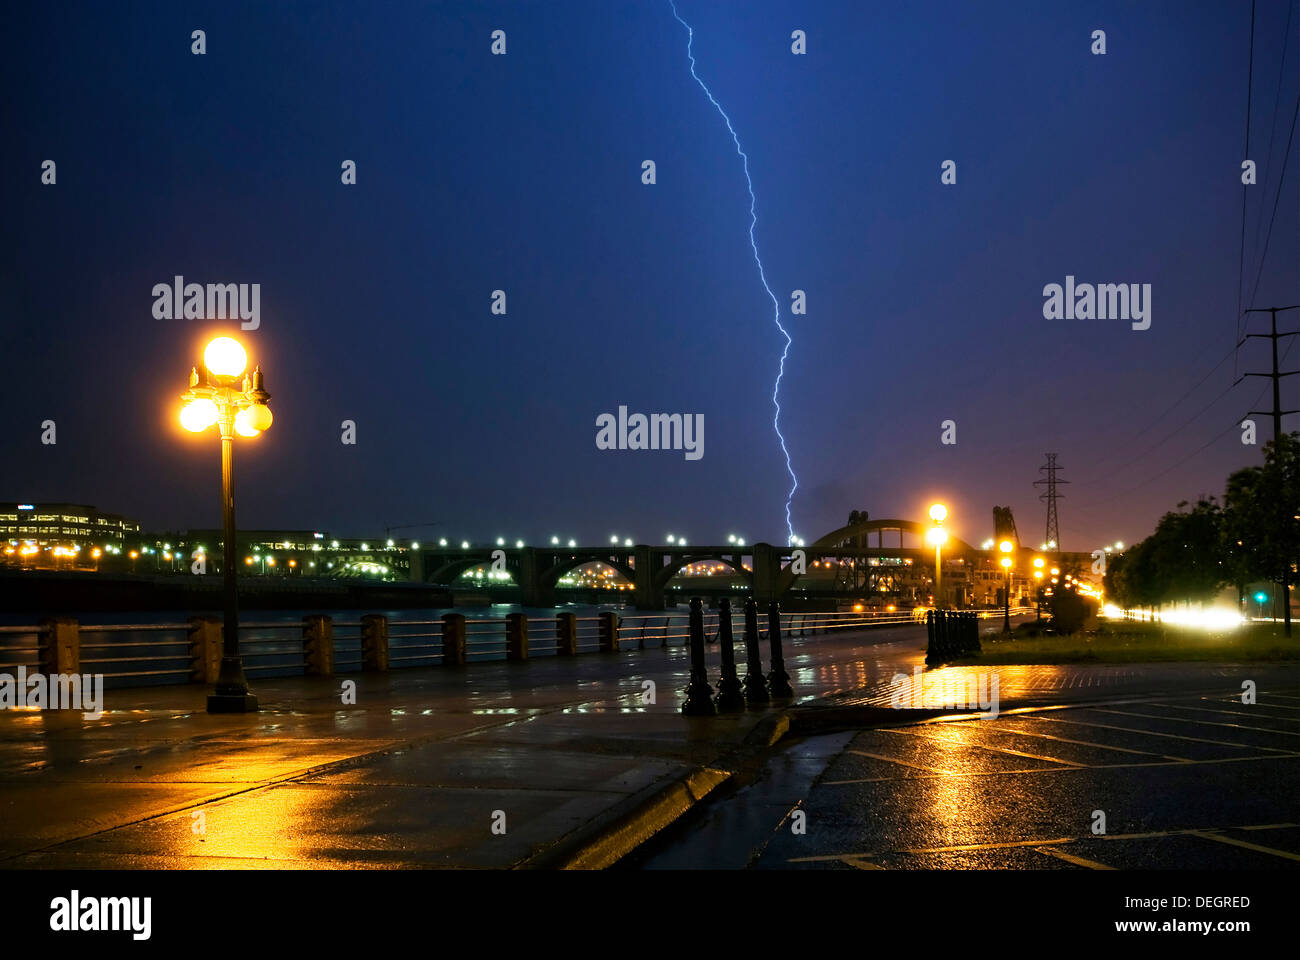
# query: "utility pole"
(1277, 412)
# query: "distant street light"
(1006, 546)
(219, 398)
(937, 536)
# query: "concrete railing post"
(516, 636)
(699, 702)
(453, 639)
(566, 634)
(318, 644)
(60, 646)
(204, 638)
(609, 632)
(374, 643)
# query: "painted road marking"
(1071, 858)
(1016, 731)
(901, 763)
(1221, 838)
(1231, 713)
(1204, 723)
(1154, 733)
(980, 746)
(1095, 769)
(1207, 833)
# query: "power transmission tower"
(1277, 413)
(1051, 496)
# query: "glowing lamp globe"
(936, 536)
(938, 512)
(225, 357)
(198, 415)
(1006, 546)
(259, 416)
(244, 424)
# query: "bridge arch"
(448, 573)
(845, 536)
(552, 574)
(677, 564)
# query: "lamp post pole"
(1006, 603)
(232, 694)
(217, 398)
(938, 577)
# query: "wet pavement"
(516, 764)
(1185, 782)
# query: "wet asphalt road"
(1190, 781)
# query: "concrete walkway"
(551, 762)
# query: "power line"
(1272, 135)
(1170, 409)
(1241, 254)
(1277, 197)
(1234, 425)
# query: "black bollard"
(931, 638)
(731, 697)
(698, 702)
(755, 685)
(778, 681)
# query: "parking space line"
(980, 746)
(1017, 732)
(1093, 769)
(1044, 845)
(1156, 733)
(901, 763)
(1071, 858)
(1254, 706)
(1204, 723)
(1233, 841)
(1229, 713)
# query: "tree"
(1262, 516)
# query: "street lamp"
(1006, 546)
(937, 536)
(218, 397)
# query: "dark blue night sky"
(523, 173)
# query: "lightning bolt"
(762, 274)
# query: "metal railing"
(137, 654)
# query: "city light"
(938, 512)
(199, 414)
(936, 536)
(225, 357)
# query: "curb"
(629, 824)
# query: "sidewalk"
(560, 754)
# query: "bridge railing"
(140, 654)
